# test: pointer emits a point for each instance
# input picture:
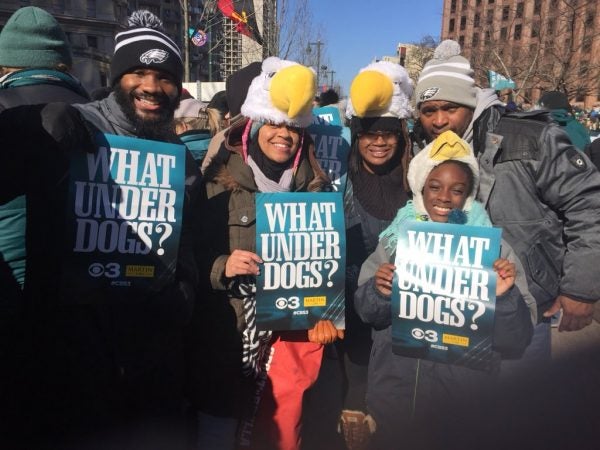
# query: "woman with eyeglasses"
(378, 110)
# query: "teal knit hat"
(32, 38)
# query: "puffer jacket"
(528, 161)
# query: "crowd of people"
(182, 364)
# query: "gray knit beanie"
(447, 76)
(32, 38)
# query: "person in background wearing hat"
(380, 150)
(195, 124)
(243, 379)
(105, 369)
(236, 89)
(35, 60)
(560, 110)
(417, 403)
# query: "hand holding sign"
(506, 275)
(384, 277)
(325, 332)
(242, 262)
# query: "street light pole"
(308, 50)
(186, 41)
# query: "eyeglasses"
(372, 136)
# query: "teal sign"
(444, 293)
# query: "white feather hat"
(282, 93)
(381, 89)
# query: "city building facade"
(91, 25)
(540, 44)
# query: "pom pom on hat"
(447, 146)
(145, 44)
(381, 89)
(281, 94)
(448, 76)
(32, 38)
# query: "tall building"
(91, 26)
(230, 50)
(541, 44)
(412, 57)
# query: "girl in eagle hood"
(405, 392)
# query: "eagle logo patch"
(428, 93)
(156, 55)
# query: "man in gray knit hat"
(535, 184)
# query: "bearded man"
(103, 371)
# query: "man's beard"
(159, 128)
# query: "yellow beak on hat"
(293, 89)
(371, 91)
(449, 146)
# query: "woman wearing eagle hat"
(378, 108)
(230, 361)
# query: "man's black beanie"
(144, 44)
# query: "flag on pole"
(499, 82)
(242, 13)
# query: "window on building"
(490, 2)
(92, 41)
(476, 20)
(461, 41)
(505, 12)
(537, 7)
(535, 29)
(465, 3)
(91, 8)
(550, 28)
(489, 16)
(478, 3)
(475, 40)
(463, 22)
(517, 33)
(580, 95)
(451, 25)
(503, 33)
(488, 37)
(453, 6)
(519, 12)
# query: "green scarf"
(31, 77)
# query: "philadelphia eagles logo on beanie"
(156, 55)
(145, 44)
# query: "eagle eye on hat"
(282, 94)
(446, 147)
(448, 76)
(32, 38)
(145, 44)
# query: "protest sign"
(124, 214)
(444, 293)
(332, 145)
(300, 237)
(327, 115)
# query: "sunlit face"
(151, 93)
(446, 188)
(279, 143)
(437, 116)
(377, 148)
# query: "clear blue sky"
(357, 31)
